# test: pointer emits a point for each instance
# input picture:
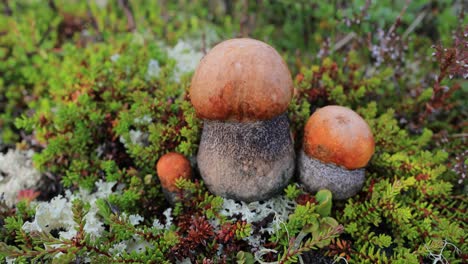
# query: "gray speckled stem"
(246, 161)
(170, 196)
(316, 175)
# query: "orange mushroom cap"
(171, 167)
(336, 134)
(241, 79)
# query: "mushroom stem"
(246, 161)
(171, 197)
(316, 175)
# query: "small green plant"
(308, 227)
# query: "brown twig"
(398, 20)
(415, 23)
(52, 5)
(45, 35)
(125, 5)
(342, 42)
(244, 19)
(204, 43)
(93, 21)
(305, 25)
(7, 8)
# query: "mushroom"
(169, 168)
(337, 146)
(241, 89)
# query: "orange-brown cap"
(170, 167)
(241, 79)
(336, 134)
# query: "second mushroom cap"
(338, 135)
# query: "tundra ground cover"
(97, 90)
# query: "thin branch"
(342, 42)
(415, 23)
(398, 20)
(7, 8)
(305, 26)
(461, 135)
(52, 5)
(45, 35)
(93, 21)
(125, 5)
(204, 43)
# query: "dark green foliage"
(96, 93)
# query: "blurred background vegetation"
(305, 31)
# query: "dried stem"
(7, 10)
(93, 20)
(125, 5)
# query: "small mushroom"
(169, 168)
(337, 146)
(242, 89)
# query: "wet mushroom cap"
(241, 79)
(338, 135)
(170, 167)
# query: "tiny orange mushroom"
(171, 167)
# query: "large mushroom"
(242, 89)
(338, 144)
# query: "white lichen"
(137, 137)
(17, 173)
(118, 249)
(115, 57)
(280, 206)
(157, 224)
(144, 120)
(186, 57)
(57, 213)
(138, 244)
(135, 219)
(439, 256)
(168, 214)
(153, 70)
(93, 226)
(101, 3)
